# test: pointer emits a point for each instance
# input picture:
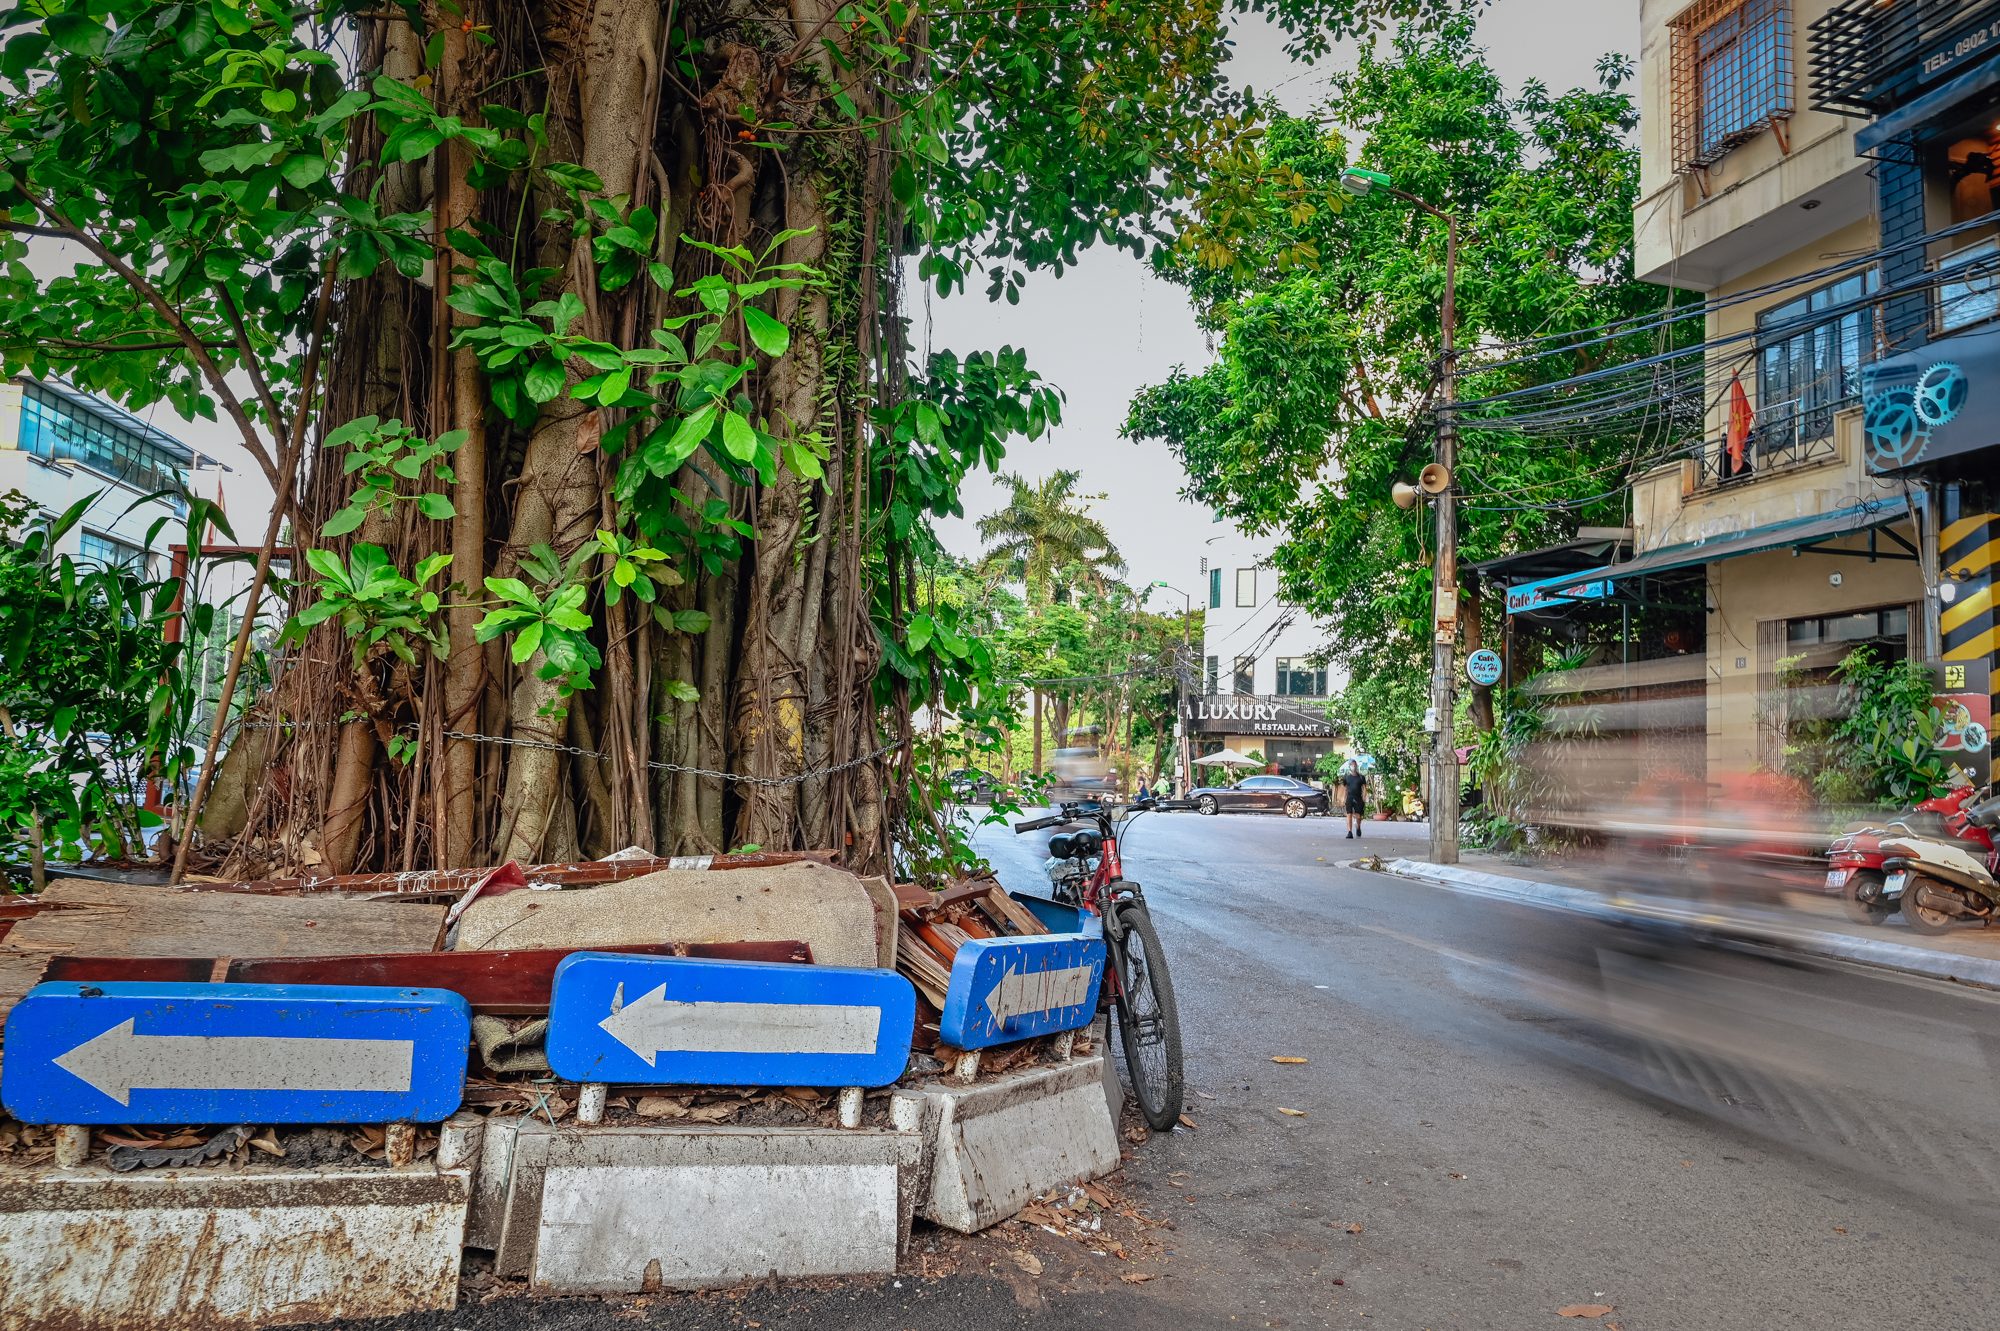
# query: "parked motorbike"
(1945, 884)
(1855, 861)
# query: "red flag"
(1740, 420)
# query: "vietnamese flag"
(1740, 420)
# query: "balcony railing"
(1869, 57)
(1784, 435)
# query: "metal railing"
(1784, 435)
(1868, 57)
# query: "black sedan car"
(1262, 794)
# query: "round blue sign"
(1483, 667)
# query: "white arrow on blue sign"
(1011, 988)
(693, 1021)
(234, 1053)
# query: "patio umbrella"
(1226, 759)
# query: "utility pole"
(1359, 183)
(1444, 577)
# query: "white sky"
(1101, 331)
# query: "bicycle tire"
(1149, 1024)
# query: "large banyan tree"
(572, 335)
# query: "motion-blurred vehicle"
(1082, 776)
(969, 785)
(1261, 794)
(1855, 861)
(1944, 884)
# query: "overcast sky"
(1104, 329)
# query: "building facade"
(58, 445)
(1824, 174)
(1259, 691)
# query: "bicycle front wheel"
(1149, 1025)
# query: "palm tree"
(1045, 539)
(1046, 536)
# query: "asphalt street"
(1507, 1111)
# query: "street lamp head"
(1358, 181)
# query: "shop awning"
(1600, 582)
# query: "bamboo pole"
(288, 468)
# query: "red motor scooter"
(1856, 875)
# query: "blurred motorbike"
(1856, 860)
(1943, 884)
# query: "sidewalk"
(1808, 924)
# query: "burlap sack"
(830, 909)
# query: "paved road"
(1701, 1138)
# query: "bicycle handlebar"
(1037, 824)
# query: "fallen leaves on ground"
(1136, 1277)
(1190, 1122)
(662, 1106)
(1135, 1134)
(1295, 1113)
(1287, 1058)
(1028, 1262)
(1204, 1095)
(1354, 1229)
(1838, 1230)
(1458, 1176)
(1585, 1310)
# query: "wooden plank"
(495, 983)
(1005, 908)
(122, 920)
(917, 965)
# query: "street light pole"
(1444, 571)
(1183, 774)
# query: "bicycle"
(1137, 987)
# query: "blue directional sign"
(234, 1053)
(1011, 988)
(687, 1020)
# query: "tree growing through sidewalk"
(579, 330)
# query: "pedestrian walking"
(1355, 785)
(1145, 793)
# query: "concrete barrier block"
(998, 1145)
(616, 1208)
(488, 1212)
(206, 1251)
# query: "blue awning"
(1599, 583)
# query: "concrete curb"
(614, 1208)
(999, 1145)
(1751, 926)
(85, 1247)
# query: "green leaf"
(231, 19)
(683, 691)
(526, 641)
(302, 171)
(436, 506)
(544, 379)
(772, 337)
(431, 566)
(78, 33)
(692, 621)
(344, 521)
(738, 437)
(513, 589)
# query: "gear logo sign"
(1897, 422)
(1941, 394)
